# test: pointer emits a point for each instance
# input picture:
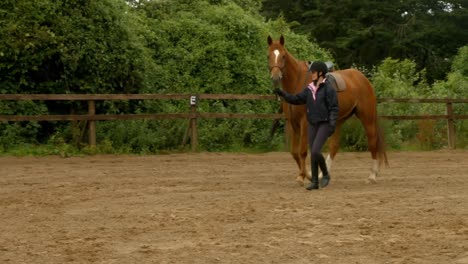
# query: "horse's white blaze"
(277, 53)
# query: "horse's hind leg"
(372, 142)
(333, 146)
(370, 127)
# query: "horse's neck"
(293, 75)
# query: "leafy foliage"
(110, 46)
(205, 46)
(456, 87)
(366, 32)
(71, 47)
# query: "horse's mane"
(294, 74)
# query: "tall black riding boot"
(323, 167)
(314, 184)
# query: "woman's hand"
(279, 92)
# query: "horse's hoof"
(300, 180)
(371, 180)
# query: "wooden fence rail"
(194, 115)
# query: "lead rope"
(303, 87)
(304, 84)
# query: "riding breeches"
(317, 135)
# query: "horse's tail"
(381, 154)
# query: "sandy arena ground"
(232, 208)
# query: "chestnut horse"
(358, 98)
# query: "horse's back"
(357, 82)
(353, 75)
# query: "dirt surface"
(232, 208)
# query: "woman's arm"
(296, 99)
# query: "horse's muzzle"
(276, 75)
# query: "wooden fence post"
(193, 121)
(92, 123)
(450, 126)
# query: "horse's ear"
(269, 40)
(282, 40)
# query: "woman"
(322, 112)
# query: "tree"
(217, 47)
(141, 46)
(66, 47)
(71, 47)
(366, 32)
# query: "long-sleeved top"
(323, 107)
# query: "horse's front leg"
(303, 145)
(294, 141)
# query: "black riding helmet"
(318, 66)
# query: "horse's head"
(276, 59)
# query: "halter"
(283, 64)
(281, 68)
(273, 83)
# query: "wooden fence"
(193, 114)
